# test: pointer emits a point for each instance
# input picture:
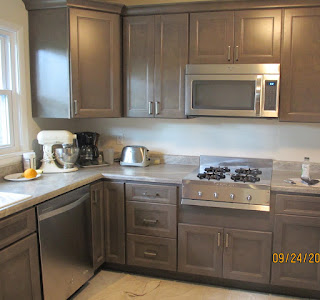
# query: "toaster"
(136, 156)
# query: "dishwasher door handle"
(63, 209)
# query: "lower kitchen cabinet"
(114, 214)
(229, 253)
(200, 250)
(19, 270)
(295, 235)
(152, 252)
(97, 217)
(247, 255)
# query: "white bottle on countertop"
(305, 174)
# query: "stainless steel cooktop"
(220, 181)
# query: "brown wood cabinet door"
(257, 36)
(114, 222)
(138, 58)
(97, 217)
(95, 63)
(294, 235)
(152, 219)
(211, 38)
(13, 228)
(171, 57)
(200, 250)
(300, 73)
(247, 255)
(152, 252)
(19, 270)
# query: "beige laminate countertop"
(278, 184)
(52, 185)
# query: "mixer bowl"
(66, 156)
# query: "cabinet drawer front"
(298, 205)
(152, 219)
(152, 193)
(16, 227)
(152, 252)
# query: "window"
(9, 113)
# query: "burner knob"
(249, 197)
(215, 195)
(200, 193)
(231, 196)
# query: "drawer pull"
(150, 222)
(150, 254)
(153, 196)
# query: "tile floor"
(123, 286)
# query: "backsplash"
(11, 169)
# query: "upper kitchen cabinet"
(75, 63)
(155, 55)
(300, 59)
(251, 36)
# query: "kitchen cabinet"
(97, 217)
(245, 37)
(151, 218)
(247, 255)
(114, 214)
(151, 252)
(19, 270)
(76, 72)
(300, 57)
(155, 54)
(200, 250)
(17, 227)
(230, 253)
(293, 235)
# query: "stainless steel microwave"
(250, 90)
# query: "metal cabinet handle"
(229, 53)
(227, 240)
(146, 195)
(150, 254)
(237, 53)
(75, 102)
(94, 197)
(157, 107)
(219, 239)
(150, 108)
(150, 222)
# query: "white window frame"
(16, 93)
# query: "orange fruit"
(30, 173)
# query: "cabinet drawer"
(152, 193)
(298, 205)
(152, 252)
(16, 227)
(152, 219)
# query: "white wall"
(213, 136)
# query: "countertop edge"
(31, 202)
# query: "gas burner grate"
(217, 170)
(249, 171)
(245, 178)
(215, 173)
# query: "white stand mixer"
(48, 138)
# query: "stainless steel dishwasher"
(65, 239)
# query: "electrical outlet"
(120, 139)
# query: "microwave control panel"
(270, 94)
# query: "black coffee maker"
(89, 152)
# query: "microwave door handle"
(258, 97)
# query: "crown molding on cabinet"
(189, 7)
(87, 4)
